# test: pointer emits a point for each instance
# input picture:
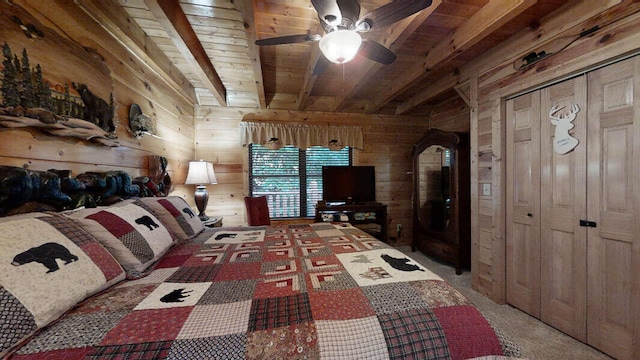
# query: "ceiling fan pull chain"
(343, 74)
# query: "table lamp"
(201, 173)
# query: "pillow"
(133, 235)
(48, 264)
(175, 214)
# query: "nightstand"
(213, 222)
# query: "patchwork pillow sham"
(175, 214)
(133, 235)
(48, 264)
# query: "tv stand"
(362, 215)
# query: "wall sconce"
(201, 174)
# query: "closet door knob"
(529, 214)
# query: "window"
(289, 174)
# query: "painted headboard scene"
(40, 90)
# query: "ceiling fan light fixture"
(340, 46)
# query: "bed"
(324, 290)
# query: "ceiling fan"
(341, 21)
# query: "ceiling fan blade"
(321, 65)
(349, 9)
(376, 52)
(289, 39)
(394, 11)
(328, 11)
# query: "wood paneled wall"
(388, 141)
(492, 78)
(451, 115)
(133, 81)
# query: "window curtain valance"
(275, 136)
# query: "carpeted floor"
(536, 340)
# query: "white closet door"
(614, 204)
(563, 203)
(523, 203)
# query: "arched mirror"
(441, 197)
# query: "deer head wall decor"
(562, 141)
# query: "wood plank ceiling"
(211, 44)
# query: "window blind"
(291, 178)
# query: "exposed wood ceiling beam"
(393, 39)
(438, 87)
(246, 9)
(174, 21)
(481, 24)
(464, 91)
(571, 15)
(309, 78)
(115, 20)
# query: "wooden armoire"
(573, 219)
(441, 197)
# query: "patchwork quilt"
(314, 291)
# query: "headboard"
(23, 190)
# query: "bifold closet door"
(523, 203)
(614, 205)
(546, 198)
(573, 219)
(563, 203)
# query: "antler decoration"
(562, 141)
(572, 115)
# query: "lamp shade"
(340, 46)
(201, 172)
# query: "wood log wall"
(492, 78)
(451, 115)
(387, 146)
(132, 82)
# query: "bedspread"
(299, 291)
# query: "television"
(348, 184)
